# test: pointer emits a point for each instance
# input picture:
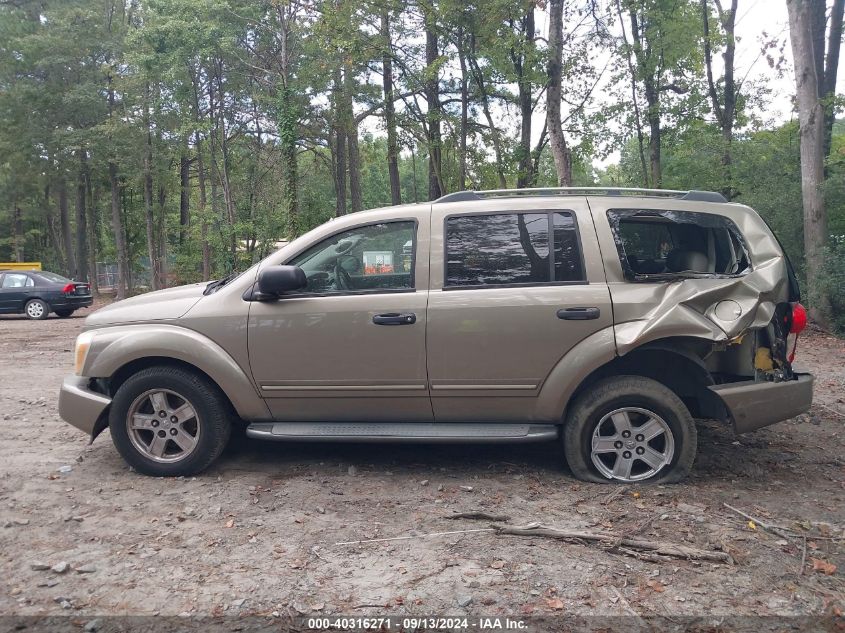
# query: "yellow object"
(752, 525)
(763, 359)
(20, 265)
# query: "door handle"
(578, 314)
(395, 318)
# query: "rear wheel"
(37, 309)
(167, 421)
(64, 313)
(629, 429)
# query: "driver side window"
(371, 258)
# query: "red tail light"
(799, 318)
(69, 289)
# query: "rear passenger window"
(506, 249)
(663, 244)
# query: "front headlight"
(80, 352)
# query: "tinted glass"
(373, 257)
(568, 265)
(53, 277)
(497, 249)
(511, 248)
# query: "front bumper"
(753, 405)
(80, 406)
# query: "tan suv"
(607, 318)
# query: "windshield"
(52, 277)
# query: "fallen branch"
(768, 527)
(803, 556)
(656, 547)
(481, 516)
(413, 537)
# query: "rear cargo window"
(655, 244)
(507, 249)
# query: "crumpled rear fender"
(647, 311)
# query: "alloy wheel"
(163, 426)
(631, 444)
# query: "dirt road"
(259, 532)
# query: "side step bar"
(401, 432)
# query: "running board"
(401, 432)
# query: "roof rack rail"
(693, 195)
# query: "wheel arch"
(675, 362)
(116, 353)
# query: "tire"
(646, 405)
(196, 441)
(36, 309)
(63, 313)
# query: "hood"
(160, 305)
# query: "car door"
(504, 307)
(351, 345)
(15, 289)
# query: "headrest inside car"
(679, 260)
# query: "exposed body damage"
(734, 326)
(607, 319)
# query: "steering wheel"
(342, 279)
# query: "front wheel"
(37, 309)
(167, 422)
(629, 429)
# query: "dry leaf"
(554, 603)
(658, 586)
(823, 566)
(230, 523)
(497, 564)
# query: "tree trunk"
(152, 251)
(414, 172)
(355, 193)
(525, 177)
(184, 193)
(119, 235)
(390, 111)
(654, 132)
(557, 140)
(725, 108)
(434, 113)
(811, 123)
(340, 145)
(67, 233)
(81, 219)
(201, 179)
(17, 228)
(288, 133)
(93, 231)
(831, 66)
(462, 148)
(632, 71)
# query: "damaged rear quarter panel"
(649, 310)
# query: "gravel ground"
(260, 533)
